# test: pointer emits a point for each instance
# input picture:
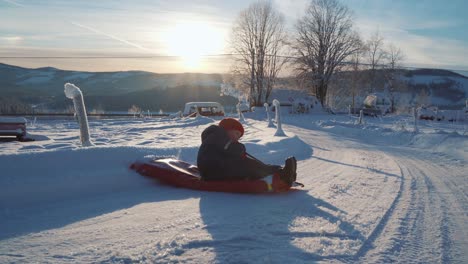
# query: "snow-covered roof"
(203, 104)
(5, 120)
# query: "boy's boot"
(288, 174)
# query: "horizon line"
(408, 67)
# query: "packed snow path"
(363, 202)
(429, 221)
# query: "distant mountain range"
(42, 88)
(445, 89)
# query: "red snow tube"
(185, 175)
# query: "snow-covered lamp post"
(279, 130)
(415, 115)
(74, 93)
(267, 109)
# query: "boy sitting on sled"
(222, 157)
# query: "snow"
(36, 80)
(38, 77)
(71, 91)
(373, 193)
(78, 76)
(9, 120)
(124, 74)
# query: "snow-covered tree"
(134, 110)
(423, 98)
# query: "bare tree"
(325, 38)
(375, 55)
(258, 37)
(356, 75)
(394, 57)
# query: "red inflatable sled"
(182, 174)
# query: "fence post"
(361, 117)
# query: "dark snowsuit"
(219, 158)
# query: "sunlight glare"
(191, 41)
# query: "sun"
(192, 41)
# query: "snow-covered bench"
(13, 126)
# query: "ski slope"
(374, 193)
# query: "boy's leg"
(238, 169)
(259, 170)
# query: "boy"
(222, 157)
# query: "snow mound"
(452, 144)
(74, 174)
(401, 132)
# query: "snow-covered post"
(74, 93)
(279, 130)
(267, 109)
(239, 112)
(197, 115)
(361, 117)
(415, 116)
(349, 110)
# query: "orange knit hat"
(231, 124)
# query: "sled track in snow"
(366, 246)
(428, 222)
(324, 153)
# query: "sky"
(190, 35)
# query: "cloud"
(292, 9)
(11, 40)
(14, 3)
(111, 36)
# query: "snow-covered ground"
(373, 193)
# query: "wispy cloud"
(427, 51)
(11, 40)
(111, 36)
(14, 3)
(434, 24)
